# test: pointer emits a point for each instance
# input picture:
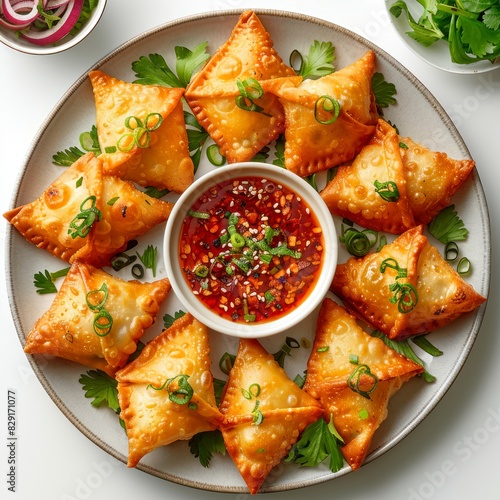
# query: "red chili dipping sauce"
(250, 249)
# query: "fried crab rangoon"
(142, 133)
(97, 319)
(88, 215)
(264, 413)
(353, 375)
(242, 63)
(167, 393)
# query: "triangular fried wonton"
(265, 412)
(353, 375)
(45, 221)
(394, 184)
(312, 142)
(432, 178)
(87, 215)
(96, 319)
(213, 92)
(162, 160)
(167, 394)
(362, 192)
(405, 289)
(338, 336)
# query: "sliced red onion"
(58, 30)
(54, 4)
(13, 15)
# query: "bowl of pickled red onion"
(250, 249)
(43, 27)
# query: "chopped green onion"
(354, 359)
(198, 215)
(87, 215)
(214, 155)
(451, 251)
(356, 383)
(237, 240)
(464, 266)
(363, 414)
(137, 271)
(153, 121)
(226, 362)
(94, 295)
(388, 191)
(326, 105)
(103, 328)
(201, 271)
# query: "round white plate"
(417, 115)
(438, 54)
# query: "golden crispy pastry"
(357, 190)
(432, 178)
(394, 184)
(314, 144)
(265, 412)
(355, 392)
(405, 289)
(164, 162)
(58, 220)
(45, 221)
(338, 335)
(212, 93)
(167, 393)
(96, 319)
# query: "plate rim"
(431, 100)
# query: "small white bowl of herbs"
(42, 27)
(461, 36)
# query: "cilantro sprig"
(101, 388)
(317, 63)
(204, 444)
(319, 441)
(44, 280)
(470, 27)
(153, 70)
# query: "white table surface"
(452, 454)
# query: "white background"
(453, 454)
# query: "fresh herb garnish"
(317, 63)
(44, 280)
(101, 388)
(447, 226)
(318, 442)
(153, 70)
(149, 257)
(204, 444)
(197, 136)
(403, 347)
(383, 91)
(470, 27)
(168, 319)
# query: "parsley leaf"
(318, 442)
(204, 444)
(168, 319)
(318, 62)
(102, 388)
(153, 70)
(197, 136)
(471, 27)
(447, 226)
(44, 280)
(384, 91)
